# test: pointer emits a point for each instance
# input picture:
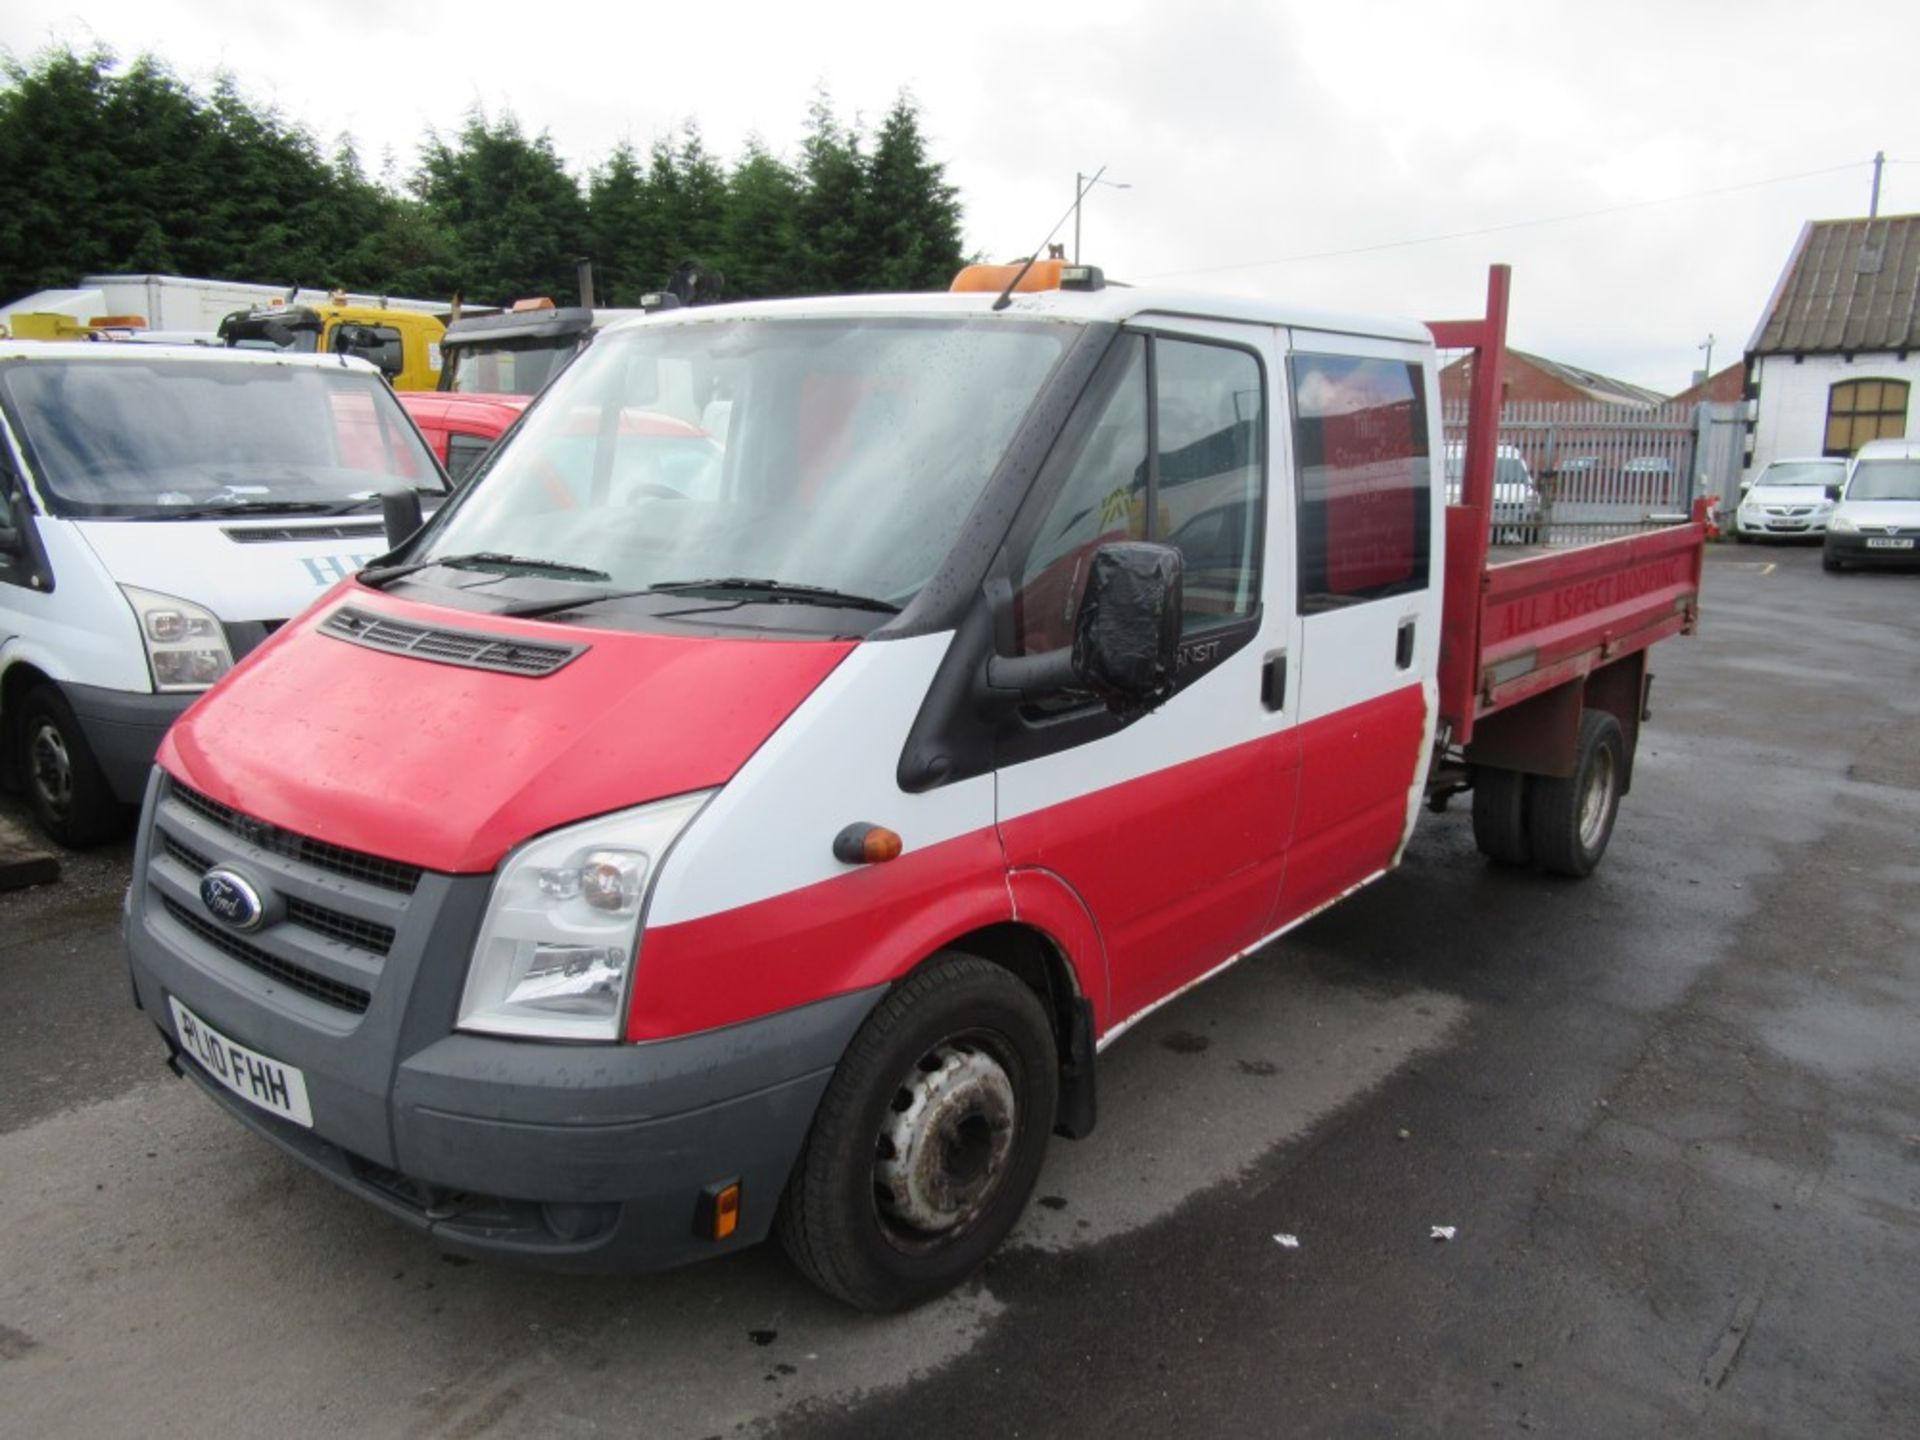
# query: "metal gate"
(1595, 470)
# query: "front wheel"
(1570, 821)
(64, 783)
(1830, 562)
(929, 1139)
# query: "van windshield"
(508, 367)
(179, 438)
(839, 454)
(1803, 472)
(1885, 480)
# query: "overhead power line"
(1511, 225)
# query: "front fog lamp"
(556, 949)
(186, 644)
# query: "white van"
(1877, 519)
(166, 510)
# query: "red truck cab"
(824, 726)
(461, 428)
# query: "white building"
(1836, 357)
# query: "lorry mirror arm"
(1032, 677)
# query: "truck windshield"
(173, 437)
(1885, 480)
(518, 368)
(837, 454)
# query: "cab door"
(1171, 828)
(1368, 508)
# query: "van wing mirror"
(401, 514)
(1126, 635)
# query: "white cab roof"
(1116, 303)
(152, 354)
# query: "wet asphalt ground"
(1671, 1113)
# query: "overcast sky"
(1256, 139)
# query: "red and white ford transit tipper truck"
(674, 842)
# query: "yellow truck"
(403, 344)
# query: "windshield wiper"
(779, 592)
(487, 560)
(249, 507)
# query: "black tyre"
(69, 793)
(1570, 821)
(929, 1139)
(1831, 563)
(1500, 816)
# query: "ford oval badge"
(229, 897)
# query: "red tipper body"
(465, 768)
(1517, 629)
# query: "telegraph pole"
(1873, 209)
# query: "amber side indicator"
(718, 1214)
(864, 844)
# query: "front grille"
(185, 854)
(295, 977)
(347, 929)
(269, 534)
(388, 874)
(470, 648)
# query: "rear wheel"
(1500, 816)
(64, 783)
(929, 1139)
(1570, 821)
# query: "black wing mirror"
(1126, 636)
(1833, 492)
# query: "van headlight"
(558, 945)
(1843, 525)
(186, 643)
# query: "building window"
(1863, 410)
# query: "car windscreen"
(1885, 480)
(841, 454)
(522, 367)
(1802, 472)
(173, 437)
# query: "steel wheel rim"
(1597, 798)
(945, 1143)
(51, 765)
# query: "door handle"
(1403, 645)
(1273, 681)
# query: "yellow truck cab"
(404, 345)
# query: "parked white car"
(163, 510)
(1877, 519)
(1517, 508)
(1788, 498)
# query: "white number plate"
(1904, 543)
(252, 1076)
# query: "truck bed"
(1526, 619)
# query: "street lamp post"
(1081, 185)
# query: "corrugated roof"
(1600, 387)
(1849, 285)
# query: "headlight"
(186, 644)
(1842, 525)
(557, 947)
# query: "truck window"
(381, 345)
(1206, 482)
(1360, 442)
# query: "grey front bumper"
(579, 1157)
(123, 730)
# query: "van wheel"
(929, 1139)
(1571, 820)
(64, 783)
(1831, 563)
(1500, 816)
